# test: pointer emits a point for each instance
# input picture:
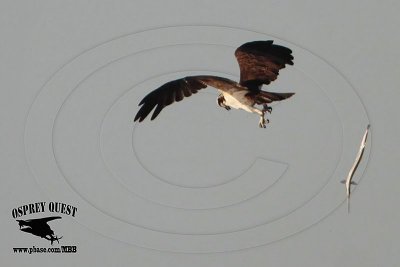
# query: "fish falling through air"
(349, 180)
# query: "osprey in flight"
(40, 228)
(259, 63)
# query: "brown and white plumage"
(259, 63)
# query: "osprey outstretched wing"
(259, 64)
(175, 91)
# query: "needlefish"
(349, 180)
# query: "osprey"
(40, 228)
(259, 63)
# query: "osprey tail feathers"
(264, 97)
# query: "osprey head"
(221, 101)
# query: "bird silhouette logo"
(39, 227)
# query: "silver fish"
(348, 182)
